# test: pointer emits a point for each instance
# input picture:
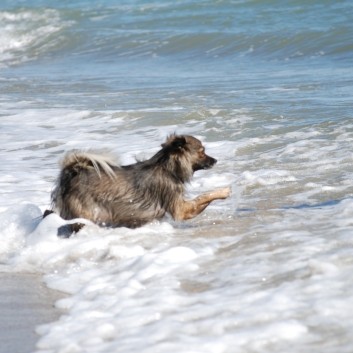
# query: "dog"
(94, 187)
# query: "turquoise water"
(267, 85)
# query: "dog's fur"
(94, 187)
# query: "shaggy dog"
(94, 187)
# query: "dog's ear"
(174, 143)
(178, 142)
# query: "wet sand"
(25, 302)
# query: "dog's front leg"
(190, 209)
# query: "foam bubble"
(267, 177)
(15, 224)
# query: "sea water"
(268, 87)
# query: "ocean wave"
(187, 30)
(215, 45)
(28, 34)
(225, 29)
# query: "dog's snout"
(210, 161)
(213, 160)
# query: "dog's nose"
(211, 160)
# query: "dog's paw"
(224, 192)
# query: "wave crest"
(28, 34)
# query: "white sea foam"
(264, 271)
(267, 177)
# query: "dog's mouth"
(207, 163)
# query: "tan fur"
(190, 209)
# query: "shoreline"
(25, 303)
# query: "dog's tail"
(87, 160)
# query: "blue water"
(291, 58)
(268, 86)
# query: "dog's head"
(189, 151)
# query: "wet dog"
(94, 187)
